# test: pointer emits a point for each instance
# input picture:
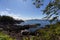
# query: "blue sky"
(21, 9)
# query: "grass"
(5, 36)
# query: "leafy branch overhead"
(51, 10)
(38, 3)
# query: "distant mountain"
(36, 21)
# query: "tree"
(52, 10)
(9, 20)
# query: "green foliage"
(52, 10)
(38, 3)
(9, 20)
(52, 33)
(6, 20)
(47, 33)
(5, 37)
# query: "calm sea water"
(42, 22)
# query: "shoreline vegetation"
(10, 31)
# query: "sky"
(21, 9)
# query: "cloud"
(8, 9)
(14, 15)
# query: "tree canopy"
(9, 20)
(52, 10)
